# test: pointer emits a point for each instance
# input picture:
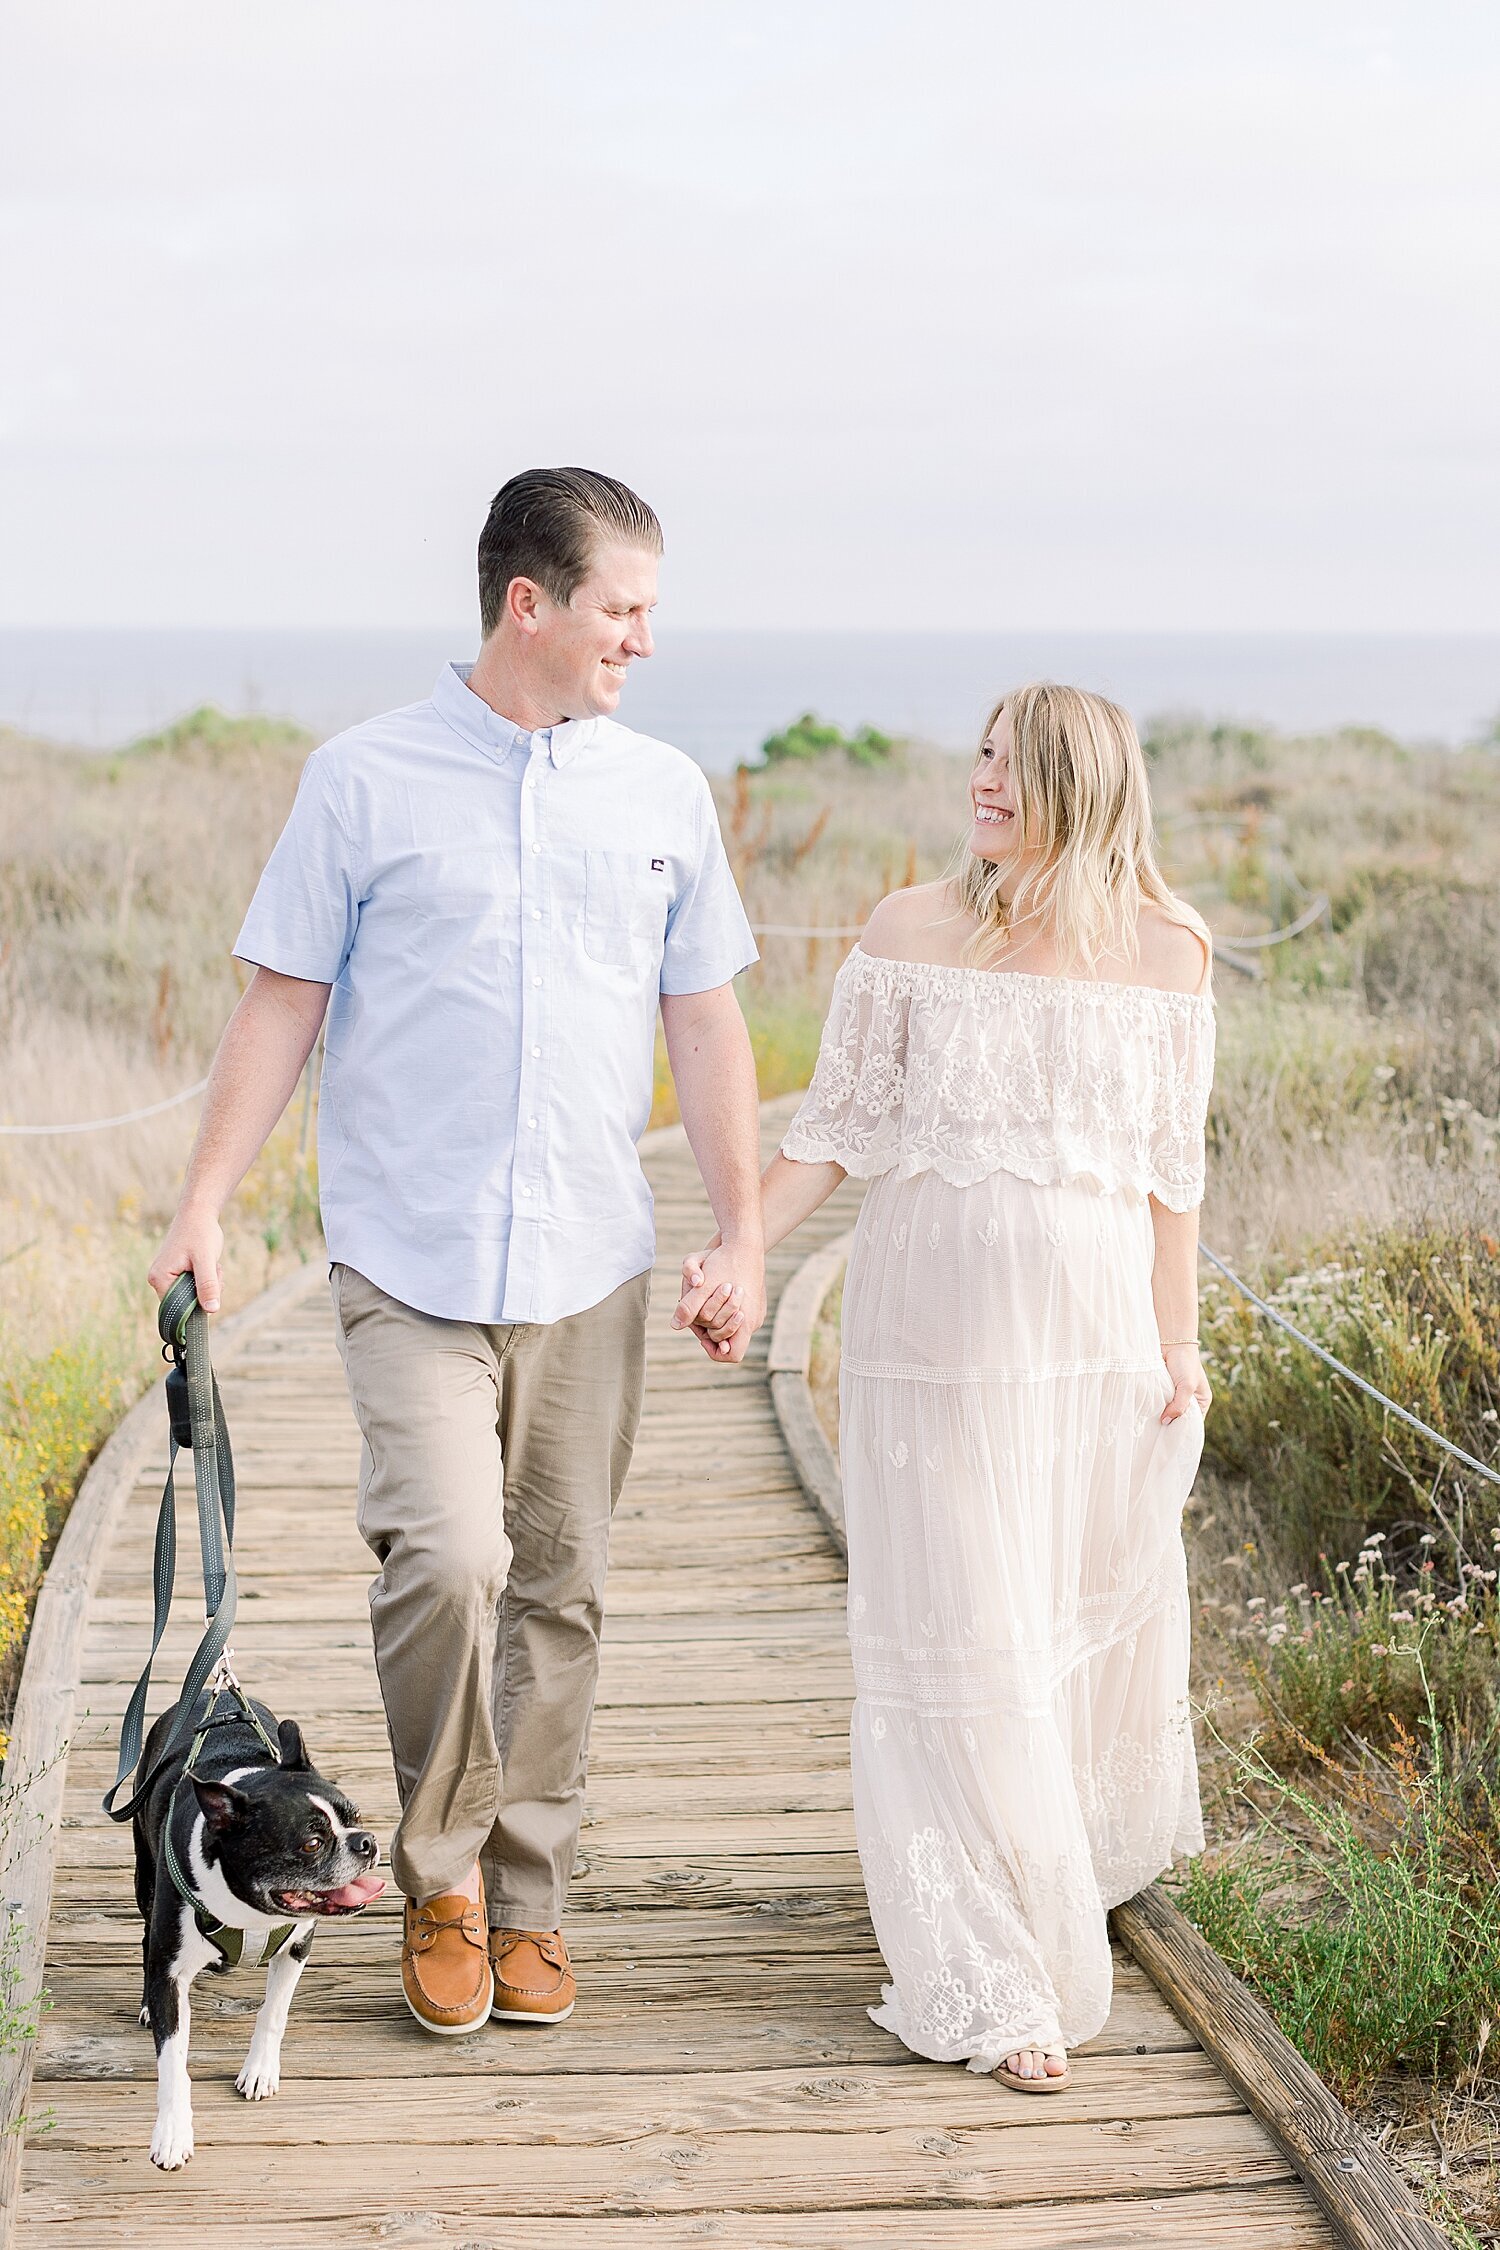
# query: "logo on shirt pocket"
(624, 909)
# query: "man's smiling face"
(585, 650)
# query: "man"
(497, 886)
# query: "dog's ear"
(293, 1748)
(220, 1805)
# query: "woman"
(1018, 1059)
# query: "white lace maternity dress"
(1022, 1752)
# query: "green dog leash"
(196, 1415)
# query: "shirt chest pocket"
(625, 902)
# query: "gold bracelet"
(1181, 1344)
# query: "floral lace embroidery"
(965, 1072)
(1161, 1774)
(954, 1996)
(958, 1926)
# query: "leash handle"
(183, 1326)
(210, 1457)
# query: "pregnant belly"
(1000, 1278)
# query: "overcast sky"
(944, 313)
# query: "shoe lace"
(547, 1942)
(436, 1922)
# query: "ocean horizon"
(719, 694)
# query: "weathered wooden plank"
(1265, 2218)
(104, 1978)
(770, 1836)
(749, 2022)
(612, 1795)
(774, 1636)
(679, 2171)
(670, 1923)
(492, 2107)
(714, 1735)
(647, 1675)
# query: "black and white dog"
(236, 1861)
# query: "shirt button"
(536, 914)
(531, 1121)
(536, 980)
(525, 1191)
(536, 850)
(536, 1050)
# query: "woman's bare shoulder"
(904, 925)
(1175, 954)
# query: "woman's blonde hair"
(1083, 822)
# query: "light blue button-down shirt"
(497, 914)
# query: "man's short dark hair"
(546, 525)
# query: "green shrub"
(812, 737)
(54, 1410)
(1416, 1315)
(1234, 747)
(210, 735)
(1365, 1912)
(1363, 1655)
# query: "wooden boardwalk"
(719, 2082)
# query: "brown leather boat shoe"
(445, 1968)
(533, 1976)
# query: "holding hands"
(724, 1285)
(723, 1297)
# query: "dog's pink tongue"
(358, 1893)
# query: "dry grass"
(121, 883)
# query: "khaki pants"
(493, 1458)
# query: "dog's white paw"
(260, 2078)
(172, 2142)
(144, 2018)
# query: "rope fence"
(1412, 1421)
(1304, 921)
(103, 1124)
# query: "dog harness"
(236, 1947)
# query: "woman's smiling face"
(993, 831)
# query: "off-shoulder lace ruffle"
(965, 1072)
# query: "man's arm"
(714, 1072)
(265, 1045)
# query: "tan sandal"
(1045, 2083)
